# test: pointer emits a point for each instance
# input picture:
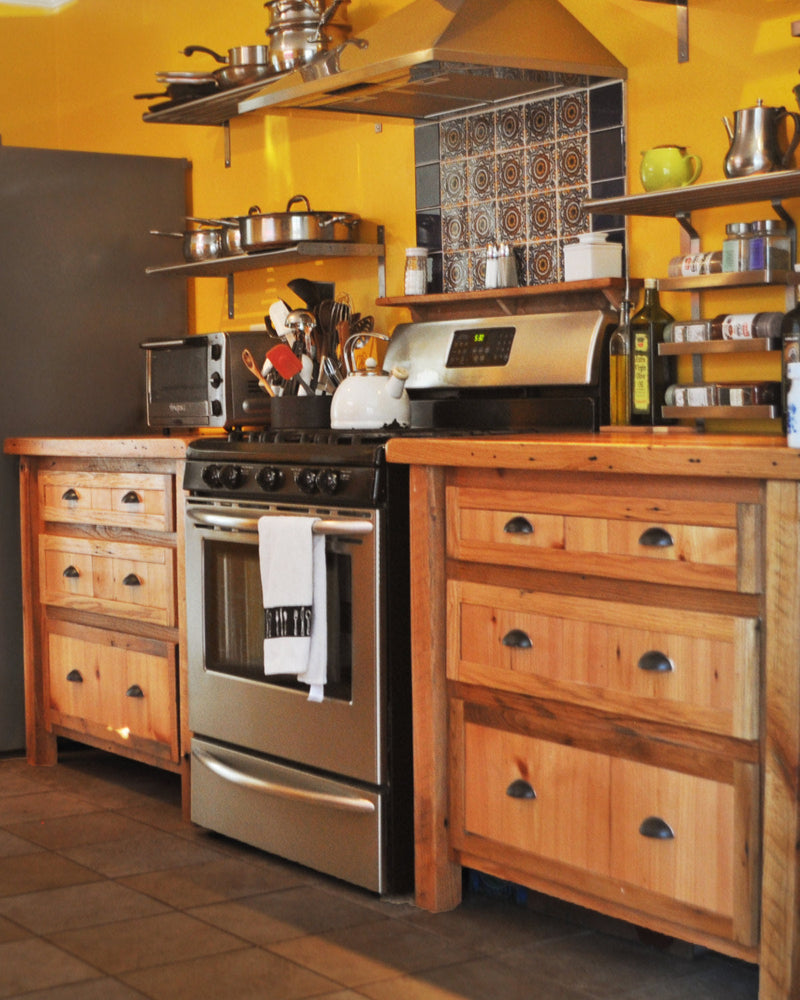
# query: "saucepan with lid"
(269, 230)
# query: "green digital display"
(488, 347)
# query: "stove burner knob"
(328, 481)
(232, 476)
(212, 476)
(269, 478)
(307, 480)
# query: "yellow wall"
(67, 80)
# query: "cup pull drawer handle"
(71, 572)
(656, 538)
(520, 789)
(131, 497)
(517, 639)
(655, 662)
(134, 691)
(132, 580)
(656, 828)
(69, 495)
(75, 677)
(518, 526)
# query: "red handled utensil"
(287, 364)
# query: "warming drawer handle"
(75, 677)
(517, 639)
(656, 538)
(134, 691)
(70, 495)
(131, 497)
(71, 572)
(518, 526)
(655, 662)
(132, 580)
(235, 523)
(347, 802)
(656, 829)
(521, 789)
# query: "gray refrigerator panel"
(75, 303)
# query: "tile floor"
(106, 894)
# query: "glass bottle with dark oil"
(651, 372)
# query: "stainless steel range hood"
(443, 57)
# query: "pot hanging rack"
(682, 9)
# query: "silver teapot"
(755, 148)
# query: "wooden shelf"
(597, 293)
(732, 279)
(758, 345)
(762, 412)
(676, 201)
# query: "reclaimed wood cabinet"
(606, 653)
(102, 530)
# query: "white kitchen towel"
(294, 587)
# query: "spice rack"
(679, 203)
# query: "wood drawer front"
(122, 499)
(682, 667)
(620, 538)
(588, 815)
(689, 855)
(112, 686)
(115, 578)
(567, 821)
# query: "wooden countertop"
(650, 451)
(143, 446)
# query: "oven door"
(231, 700)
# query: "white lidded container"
(592, 257)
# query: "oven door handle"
(233, 522)
(326, 794)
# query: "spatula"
(287, 365)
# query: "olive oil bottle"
(619, 369)
(650, 372)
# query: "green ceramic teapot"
(668, 167)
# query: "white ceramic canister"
(592, 257)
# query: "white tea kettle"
(370, 398)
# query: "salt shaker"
(793, 405)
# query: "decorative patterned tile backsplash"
(520, 176)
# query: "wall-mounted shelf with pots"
(298, 253)
(679, 203)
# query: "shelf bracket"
(685, 220)
(682, 10)
(226, 133)
(231, 296)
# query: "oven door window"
(234, 614)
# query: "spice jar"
(416, 271)
(769, 246)
(735, 247)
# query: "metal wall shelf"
(298, 253)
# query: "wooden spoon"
(250, 364)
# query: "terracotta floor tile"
(367, 953)
(285, 914)
(12, 845)
(95, 989)
(77, 906)
(59, 832)
(126, 945)
(251, 974)
(32, 964)
(40, 870)
(148, 851)
(41, 805)
(213, 882)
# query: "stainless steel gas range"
(329, 784)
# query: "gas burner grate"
(314, 436)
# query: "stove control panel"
(285, 482)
